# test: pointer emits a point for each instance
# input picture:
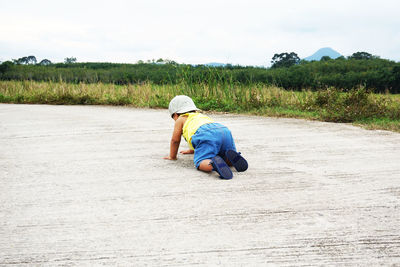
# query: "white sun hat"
(181, 104)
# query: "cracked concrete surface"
(87, 185)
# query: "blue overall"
(210, 140)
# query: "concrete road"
(87, 185)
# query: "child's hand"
(169, 158)
(187, 151)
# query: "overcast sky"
(247, 32)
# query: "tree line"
(287, 71)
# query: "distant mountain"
(326, 51)
(215, 64)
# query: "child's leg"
(229, 154)
(205, 165)
(227, 161)
(207, 144)
(217, 165)
(237, 160)
(227, 144)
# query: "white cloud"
(238, 32)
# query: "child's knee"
(205, 165)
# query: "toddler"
(211, 142)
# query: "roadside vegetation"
(358, 106)
(361, 89)
(287, 72)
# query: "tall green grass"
(356, 106)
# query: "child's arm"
(175, 140)
(190, 151)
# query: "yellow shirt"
(193, 122)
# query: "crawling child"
(212, 143)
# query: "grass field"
(359, 107)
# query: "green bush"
(377, 75)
